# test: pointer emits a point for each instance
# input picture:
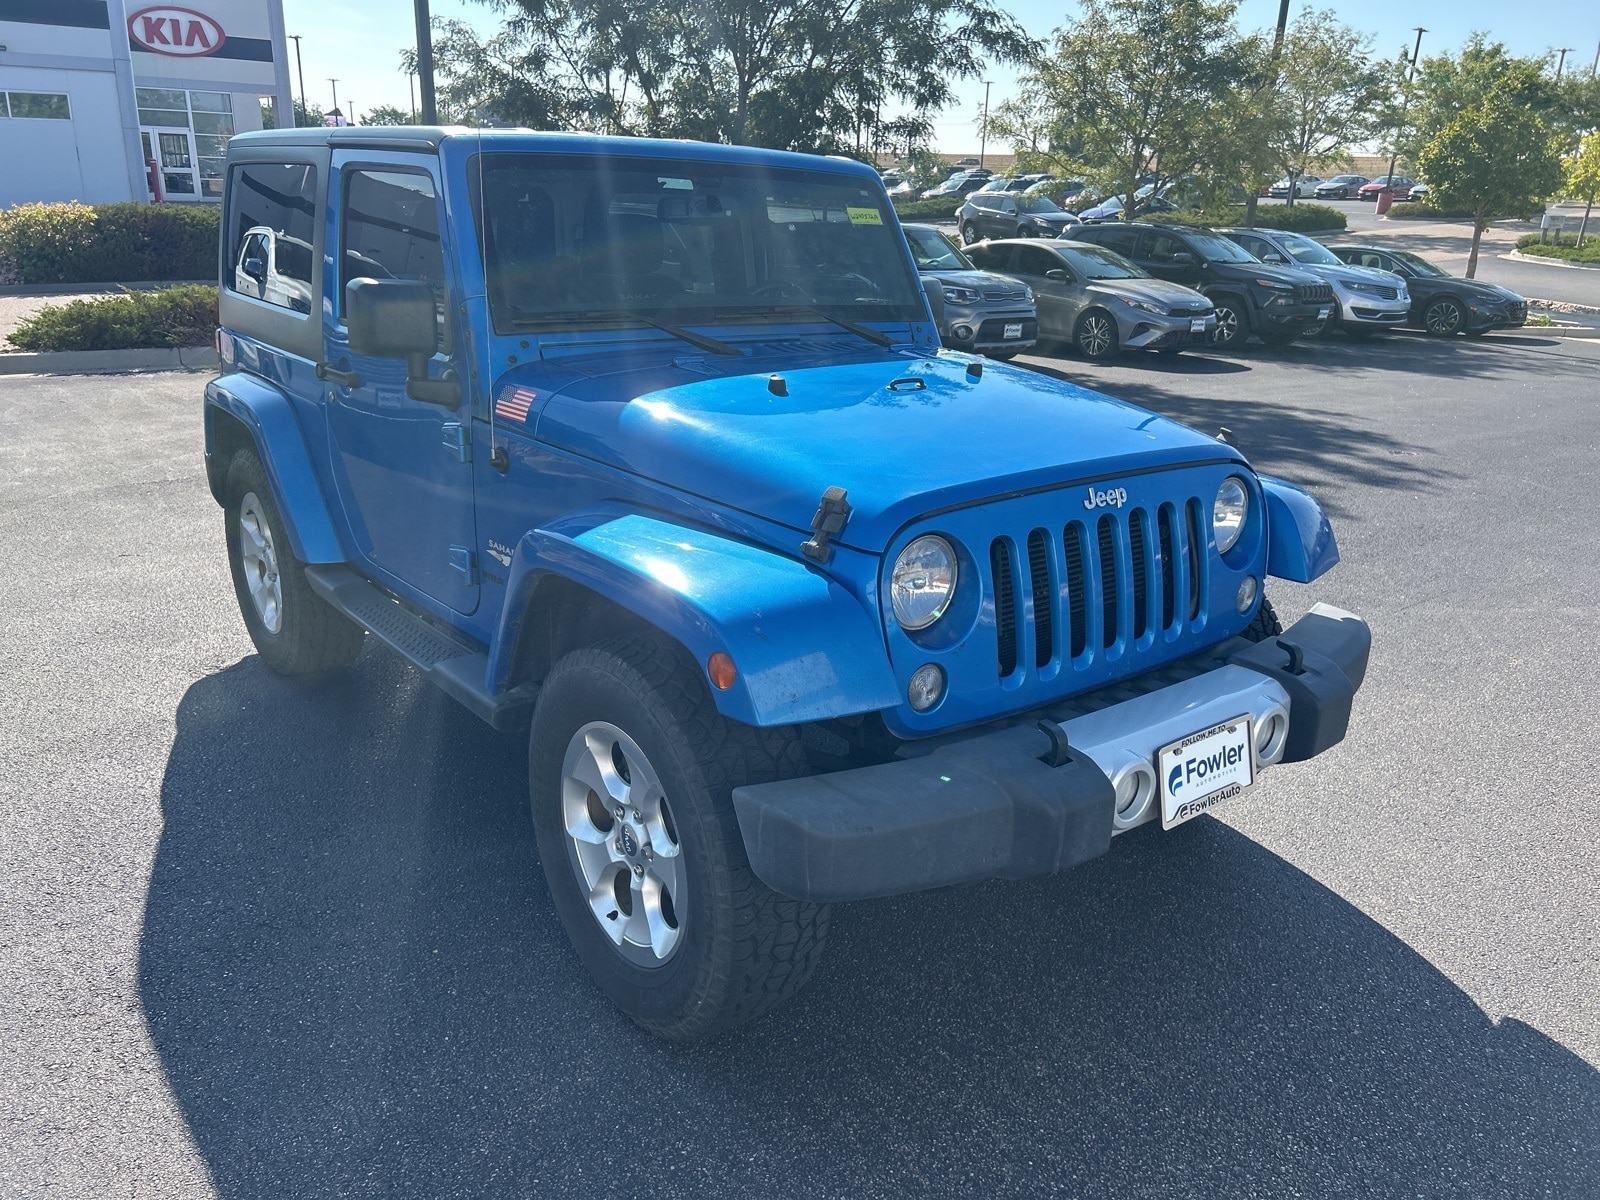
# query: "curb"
(1519, 256)
(101, 362)
(72, 289)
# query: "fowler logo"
(179, 32)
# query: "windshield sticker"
(864, 216)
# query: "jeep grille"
(1316, 293)
(1121, 579)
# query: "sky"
(359, 42)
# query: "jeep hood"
(903, 435)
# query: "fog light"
(962, 333)
(1247, 593)
(926, 687)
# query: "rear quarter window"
(271, 226)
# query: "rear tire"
(969, 233)
(295, 631)
(726, 948)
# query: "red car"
(1401, 188)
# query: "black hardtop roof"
(372, 137)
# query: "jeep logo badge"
(627, 843)
(1110, 498)
(178, 32)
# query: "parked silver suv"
(983, 312)
(1099, 301)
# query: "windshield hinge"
(466, 562)
(457, 440)
(832, 513)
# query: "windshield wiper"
(872, 335)
(698, 340)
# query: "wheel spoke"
(603, 903)
(663, 934)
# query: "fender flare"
(805, 648)
(266, 413)
(1300, 541)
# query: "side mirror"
(935, 294)
(1058, 275)
(1183, 257)
(255, 268)
(398, 318)
(1272, 256)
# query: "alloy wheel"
(260, 560)
(1227, 325)
(1096, 335)
(1442, 318)
(623, 843)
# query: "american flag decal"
(514, 403)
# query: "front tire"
(1443, 318)
(969, 233)
(295, 631)
(631, 773)
(1233, 325)
(1095, 335)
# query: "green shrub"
(175, 316)
(924, 210)
(1302, 218)
(1421, 210)
(107, 243)
(1565, 247)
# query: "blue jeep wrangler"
(650, 448)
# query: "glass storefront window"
(208, 122)
(48, 106)
(211, 102)
(161, 98)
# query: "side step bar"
(454, 666)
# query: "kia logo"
(179, 32)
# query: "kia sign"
(180, 32)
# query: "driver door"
(402, 466)
(1058, 300)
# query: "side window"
(1368, 259)
(1031, 260)
(990, 258)
(1117, 238)
(1006, 204)
(271, 225)
(389, 229)
(1251, 244)
(1161, 247)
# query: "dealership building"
(92, 92)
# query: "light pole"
(1405, 101)
(335, 83)
(430, 112)
(1562, 61)
(1595, 65)
(299, 70)
(983, 134)
(411, 82)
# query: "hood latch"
(832, 513)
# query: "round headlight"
(1227, 514)
(924, 579)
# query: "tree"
(307, 115)
(795, 74)
(1495, 158)
(388, 114)
(1328, 95)
(1583, 178)
(1136, 84)
(1446, 85)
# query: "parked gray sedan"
(1098, 300)
(977, 311)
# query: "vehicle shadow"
(356, 984)
(1319, 448)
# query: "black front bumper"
(992, 805)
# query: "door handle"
(332, 374)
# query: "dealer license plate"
(1198, 325)
(1324, 313)
(1014, 329)
(1205, 769)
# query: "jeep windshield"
(573, 240)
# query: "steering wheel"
(780, 288)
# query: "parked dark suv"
(1276, 303)
(1003, 215)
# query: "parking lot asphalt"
(264, 939)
